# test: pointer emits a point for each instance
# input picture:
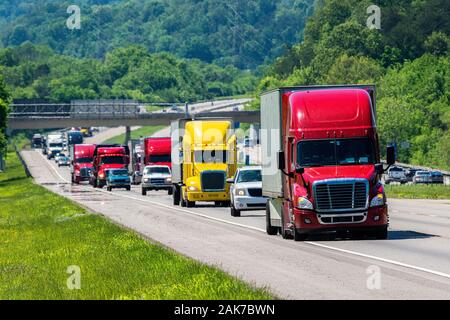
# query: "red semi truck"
(157, 151)
(323, 166)
(108, 157)
(81, 164)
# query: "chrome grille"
(158, 181)
(341, 195)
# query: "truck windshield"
(210, 156)
(249, 176)
(113, 160)
(160, 158)
(321, 153)
(56, 145)
(85, 160)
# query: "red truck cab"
(158, 151)
(108, 157)
(82, 157)
(323, 170)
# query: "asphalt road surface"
(413, 264)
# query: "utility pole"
(127, 135)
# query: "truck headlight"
(101, 176)
(169, 180)
(146, 180)
(304, 203)
(378, 201)
(192, 188)
(240, 192)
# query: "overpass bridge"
(116, 113)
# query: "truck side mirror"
(390, 155)
(379, 168)
(299, 169)
(281, 161)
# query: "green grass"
(42, 234)
(135, 134)
(435, 191)
(154, 108)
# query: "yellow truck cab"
(204, 156)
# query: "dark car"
(437, 177)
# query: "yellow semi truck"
(204, 156)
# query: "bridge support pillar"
(127, 135)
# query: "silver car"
(246, 191)
(422, 177)
(157, 178)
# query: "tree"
(4, 101)
(437, 44)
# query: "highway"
(414, 263)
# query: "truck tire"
(94, 183)
(285, 233)
(109, 189)
(176, 196)
(234, 212)
(144, 191)
(271, 231)
(128, 188)
(190, 204)
(170, 192)
(183, 203)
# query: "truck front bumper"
(207, 196)
(307, 221)
(150, 186)
(249, 203)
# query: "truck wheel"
(94, 183)
(234, 212)
(128, 188)
(299, 236)
(183, 202)
(109, 189)
(271, 231)
(144, 191)
(190, 204)
(170, 192)
(176, 196)
(285, 233)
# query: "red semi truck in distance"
(108, 157)
(81, 164)
(323, 168)
(158, 151)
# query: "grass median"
(414, 191)
(43, 234)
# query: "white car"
(246, 191)
(157, 178)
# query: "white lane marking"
(54, 169)
(400, 264)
